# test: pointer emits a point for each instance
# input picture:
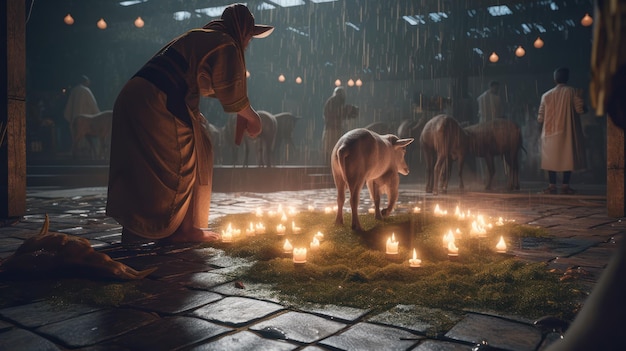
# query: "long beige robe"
(161, 156)
(80, 102)
(562, 143)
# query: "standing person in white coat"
(562, 148)
(81, 101)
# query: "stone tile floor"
(195, 305)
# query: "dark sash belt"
(164, 71)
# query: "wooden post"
(13, 109)
(615, 169)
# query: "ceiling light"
(139, 22)
(68, 19)
(586, 20)
(520, 52)
(102, 24)
(493, 57)
(538, 43)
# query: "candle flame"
(501, 246)
(287, 247)
(452, 249)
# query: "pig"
(443, 140)
(498, 137)
(362, 157)
(379, 127)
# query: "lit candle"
(280, 229)
(299, 255)
(311, 208)
(500, 221)
(501, 246)
(292, 211)
(287, 247)
(259, 228)
(416, 209)
(259, 212)
(271, 213)
(294, 228)
(319, 236)
(371, 210)
(250, 230)
(315, 244)
(415, 262)
(227, 236)
(328, 210)
(392, 245)
(453, 251)
(283, 218)
(448, 238)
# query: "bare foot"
(193, 235)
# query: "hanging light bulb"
(350, 82)
(298, 80)
(358, 82)
(520, 52)
(337, 83)
(586, 20)
(102, 24)
(68, 19)
(139, 22)
(494, 57)
(247, 74)
(538, 43)
(281, 78)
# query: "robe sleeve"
(225, 71)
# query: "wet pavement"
(195, 304)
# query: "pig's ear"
(403, 142)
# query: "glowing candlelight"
(271, 213)
(328, 210)
(371, 210)
(501, 246)
(458, 231)
(259, 212)
(294, 228)
(319, 236)
(250, 231)
(416, 209)
(311, 208)
(283, 218)
(392, 245)
(448, 238)
(280, 208)
(315, 244)
(438, 212)
(500, 221)
(453, 251)
(415, 262)
(280, 229)
(335, 208)
(259, 228)
(291, 211)
(287, 247)
(299, 255)
(457, 211)
(227, 235)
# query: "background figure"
(562, 148)
(335, 112)
(80, 102)
(161, 167)
(490, 104)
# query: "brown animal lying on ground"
(88, 127)
(56, 254)
(364, 157)
(443, 141)
(498, 137)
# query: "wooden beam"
(13, 110)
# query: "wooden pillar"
(13, 109)
(615, 169)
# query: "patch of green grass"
(352, 269)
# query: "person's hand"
(253, 126)
(247, 120)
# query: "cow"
(498, 137)
(264, 142)
(90, 127)
(442, 141)
(363, 157)
(286, 124)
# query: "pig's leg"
(490, 169)
(374, 190)
(341, 197)
(355, 192)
